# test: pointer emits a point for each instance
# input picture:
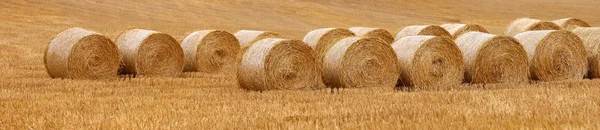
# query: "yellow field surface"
(30, 99)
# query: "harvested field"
(31, 99)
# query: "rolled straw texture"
(591, 39)
(77, 53)
(356, 62)
(322, 39)
(432, 30)
(248, 37)
(528, 24)
(458, 29)
(493, 59)
(571, 23)
(211, 51)
(150, 54)
(279, 64)
(429, 62)
(379, 33)
(554, 54)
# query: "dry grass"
(30, 99)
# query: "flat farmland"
(30, 99)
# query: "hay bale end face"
(429, 62)
(77, 53)
(554, 54)
(279, 64)
(248, 37)
(591, 39)
(356, 62)
(322, 39)
(210, 51)
(432, 30)
(381, 34)
(528, 24)
(458, 29)
(150, 54)
(493, 59)
(571, 23)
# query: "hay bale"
(77, 53)
(356, 62)
(279, 64)
(381, 34)
(554, 54)
(591, 39)
(458, 29)
(149, 53)
(490, 58)
(527, 24)
(247, 37)
(429, 62)
(322, 39)
(571, 23)
(210, 51)
(432, 30)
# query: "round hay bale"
(322, 39)
(356, 62)
(279, 64)
(527, 24)
(77, 53)
(429, 62)
(247, 37)
(149, 53)
(591, 39)
(490, 58)
(571, 23)
(432, 30)
(210, 51)
(381, 34)
(554, 54)
(458, 29)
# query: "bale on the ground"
(429, 62)
(77, 53)
(322, 39)
(150, 54)
(279, 64)
(379, 33)
(432, 30)
(591, 39)
(458, 29)
(554, 54)
(493, 59)
(247, 37)
(528, 24)
(210, 51)
(356, 62)
(571, 23)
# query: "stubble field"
(30, 99)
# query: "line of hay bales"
(429, 57)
